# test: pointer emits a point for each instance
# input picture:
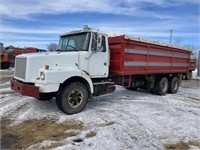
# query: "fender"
(88, 79)
(56, 76)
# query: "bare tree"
(178, 41)
(52, 47)
(194, 47)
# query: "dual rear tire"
(173, 85)
(164, 85)
(161, 86)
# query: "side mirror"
(99, 43)
(94, 43)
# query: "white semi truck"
(87, 63)
(67, 73)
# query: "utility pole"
(170, 36)
(198, 66)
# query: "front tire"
(132, 88)
(5, 65)
(45, 96)
(73, 98)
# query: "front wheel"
(132, 88)
(46, 96)
(73, 98)
(5, 65)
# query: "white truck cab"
(71, 74)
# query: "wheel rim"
(75, 98)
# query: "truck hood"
(28, 65)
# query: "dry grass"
(109, 123)
(34, 131)
(53, 145)
(182, 145)
(91, 134)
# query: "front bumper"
(25, 89)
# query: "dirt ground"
(190, 84)
(170, 122)
(33, 131)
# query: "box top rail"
(127, 37)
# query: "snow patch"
(194, 75)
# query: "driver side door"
(99, 59)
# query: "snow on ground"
(194, 75)
(124, 120)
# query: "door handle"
(105, 63)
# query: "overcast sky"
(40, 22)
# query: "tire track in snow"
(6, 78)
(181, 100)
(18, 112)
(8, 99)
(5, 91)
(4, 85)
(12, 105)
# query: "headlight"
(42, 76)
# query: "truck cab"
(91, 48)
(72, 74)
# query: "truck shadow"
(119, 96)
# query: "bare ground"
(183, 145)
(30, 132)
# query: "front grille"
(20, 68)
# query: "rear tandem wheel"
(173, 85)
(161, 86)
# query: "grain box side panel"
(116, 46)
(146, 58)
(135, 58)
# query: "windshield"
(74, 42)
